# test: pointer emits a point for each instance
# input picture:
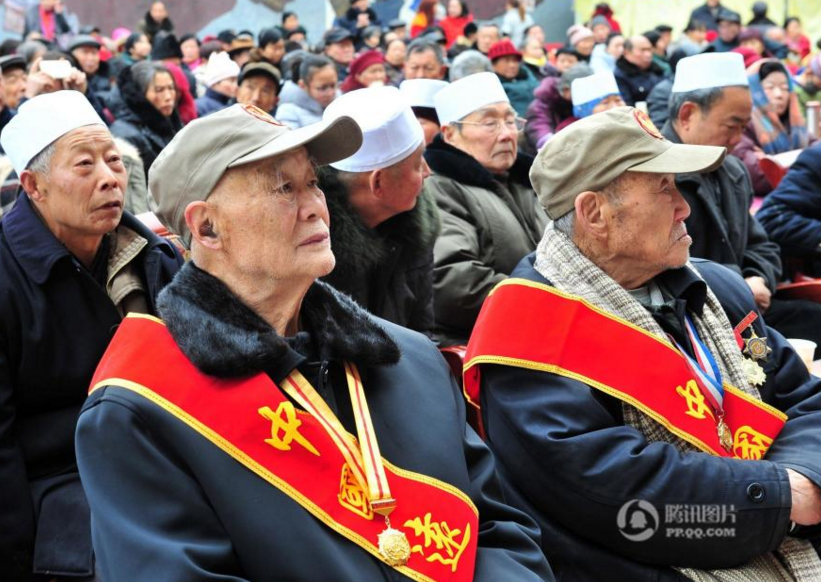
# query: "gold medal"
(756, 347)
(394, 546)
(725, 436)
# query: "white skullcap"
(42, 120)
(709, 70)
(468, 94)
(390, 131)
(587, 92)
(420, 92)
(220, 67)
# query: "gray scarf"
(560, 262)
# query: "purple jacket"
(547, 110)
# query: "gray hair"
(577, 71)
(144, 73)
(566, 223)
(468, 63)
(704, 98)
(421, 45)
(41, 163)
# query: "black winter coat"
(388, 270)
(100, 83)
(722, 228)
(138, 121)
(635, 84)
(169, 505)
(791, 214)
(55, 323)
(571, 462)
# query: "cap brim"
(683, 159)
(326, 141)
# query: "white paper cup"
(805, 350)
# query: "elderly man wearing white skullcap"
(491, 217)
(72, 263)
(382, 230)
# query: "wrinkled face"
(641, 54)
(585, 46)
(405, 180)
(777, 89)
(395, 55)
(454, 8)
(600, 33)
(494, 148)
(142, 48)
(724, 123)
(14, 86)
(190, 50)
(322, 86)
(533, 49)
(258, 90)
(273, 222)
(88, 57)
(647, 227)
(728, 31)
(341, 52)
(485, 37)
(82, 195)
(507, 67)
(162, 93)
(274, 51)
(609, 102)
(565, 62)
(373, 74)
(227, 87)
(616, 47)
(423, 65)
(158, 11)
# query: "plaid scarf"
(560, 262)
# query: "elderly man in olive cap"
(638, 404)
(217, 444)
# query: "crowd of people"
(230, 267)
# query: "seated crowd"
(232, 268)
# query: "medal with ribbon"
(363, 458)
(708, 376)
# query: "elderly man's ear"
(591, 214)
(29, 182)
(200, 219)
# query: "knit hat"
(599, 19)
(577, 33)
(220, 67)
(503, 48)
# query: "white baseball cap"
(390, 131)
(41, 121)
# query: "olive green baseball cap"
(594, 151)
(190, 166)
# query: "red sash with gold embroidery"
(253, 422)
(562, 334)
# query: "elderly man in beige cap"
(638, 404)
(217, 444)
(491, 217)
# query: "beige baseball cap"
(594, 151)
(190, 166)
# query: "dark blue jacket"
(572, 462)
(55, 323)
(169, 505)
(211, 102)
(791, 214)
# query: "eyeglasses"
(494, 126)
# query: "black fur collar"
(223, 337)
(359, 249)
(451, 162)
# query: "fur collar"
(223, 337)
(457, 165)
(359, 249)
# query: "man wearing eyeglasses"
(491, 217)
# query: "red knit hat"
(503, 48)
(359, 64)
